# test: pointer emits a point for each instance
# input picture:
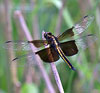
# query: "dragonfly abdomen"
(62, 55)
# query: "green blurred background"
(52, 16)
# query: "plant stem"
(37, 58)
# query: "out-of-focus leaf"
(1, 91)
(57, 3)
(29, 88)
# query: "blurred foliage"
(87, 77)
(29, 88)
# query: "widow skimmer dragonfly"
(57, 48)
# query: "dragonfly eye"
(47, 34)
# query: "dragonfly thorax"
(52, 40)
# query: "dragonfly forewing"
(77, 29)
(17, 45)
(81, 26)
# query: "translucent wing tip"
(5, 44)
(81, 26)
(89, 19)
(89, 16)
(86, 41)
(8, 41)
(93, 37)
(16, 45)
(15, 59)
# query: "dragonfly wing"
(72, 47)
(66, 34)
(85, 41)
(77, 29)
(81, 26)
(69, 48)
(25, 60)
(23, 45)
(48, 55)
(38, 43)
(17, 45)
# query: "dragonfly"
(57, 46)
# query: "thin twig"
(53, 67)
(55, 72)
(57, 78)
(38, 60)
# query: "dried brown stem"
(85, 6)
(8, 34)
(57, 78)
(35, 28)
(59, 20)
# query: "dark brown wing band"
(68, 33)
(48, 55)
(69, 48)
(38, 43)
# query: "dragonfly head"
(47, 35)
